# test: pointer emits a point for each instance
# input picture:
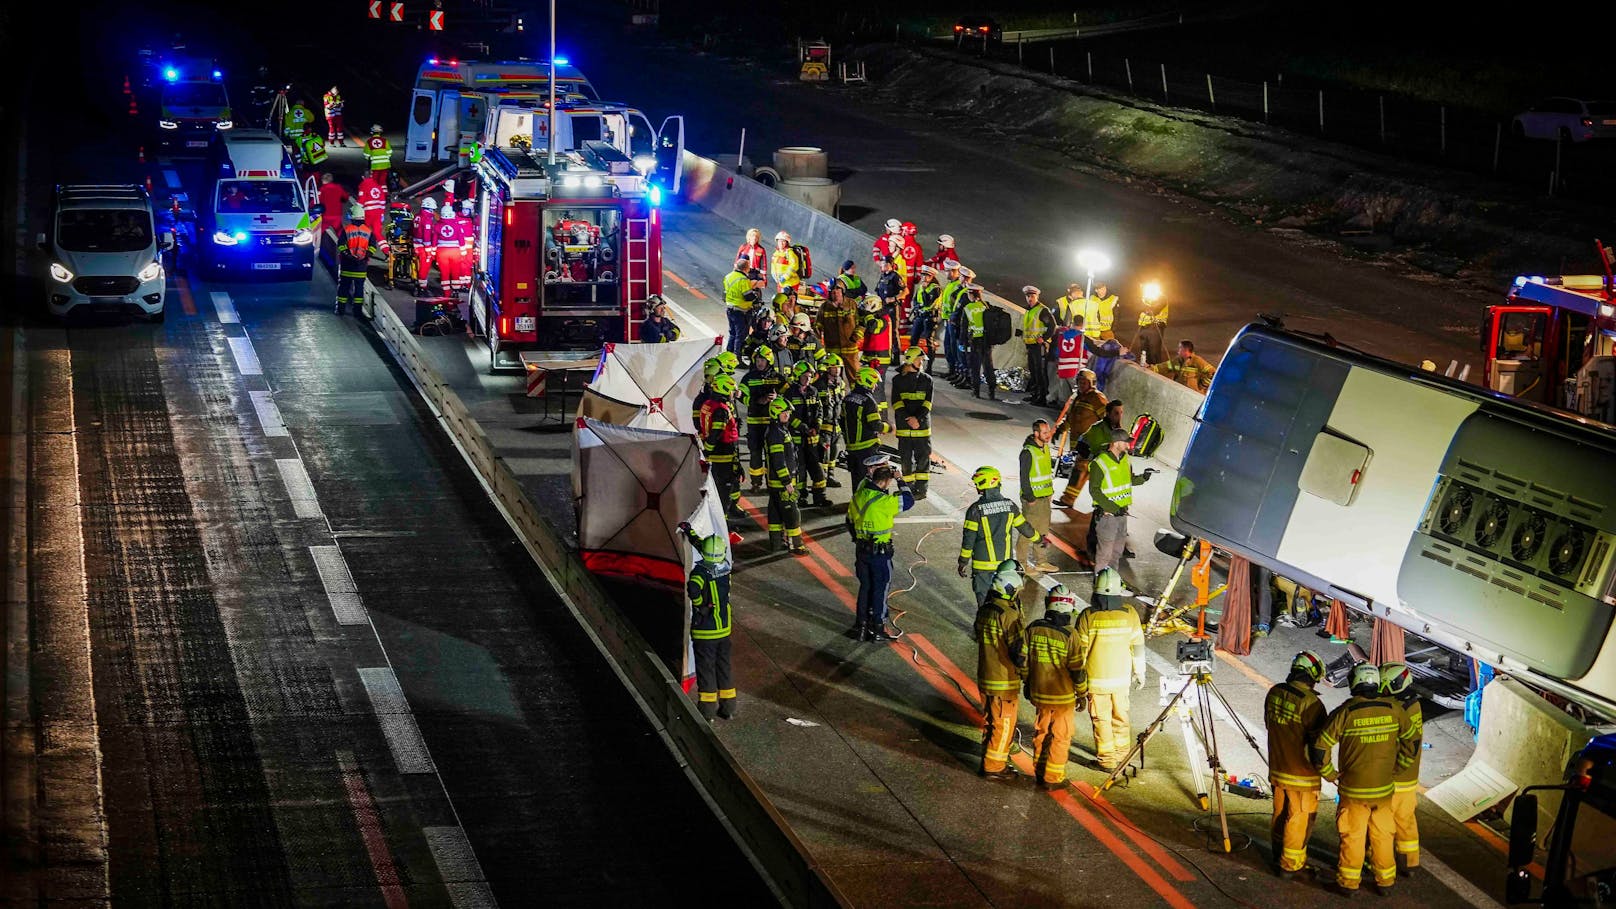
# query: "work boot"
(856, 632)
(757, 487)
(832, 483)
(1345, 892)
(820, 500)
(1046, 784)
(918, 489)
(727, 708)
(798, 549)
(1046, 566)
(777, 540)
(993, 392)
(976, 392)
(1008, 773)
(1404, 869)
(879, 634)
(709, 709)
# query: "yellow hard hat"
(986, 478)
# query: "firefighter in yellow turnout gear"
(1055, 681)
(710, 622)
(1111, 650)
(1396, 681)
(1000, 639)
(1294, 716)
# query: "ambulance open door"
(422, 127)
(670, 154)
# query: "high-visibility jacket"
(1082, 412)
(736, 285)
(297, 119)
(878, 338)
(873, 511)
(911, 397)
(1407, 775)
(1067, 309)
(1153, 314)
(333, 104)
(1294, 717)
(862, 422)
(831, 392)
(1192, 371)
(803, 346)
(1372, 737)
(755, 388)
(973, 318)
(1054, 672)
(926, 298)
(999, 642)
(950, 298)
(853, 287)
(379, 152)
(710, 616)
(755, 254)
(1097, 436)
(785, 267)
(355, 259)
(1068, 351)
(311, 149)
(1098, 315)
(1037, 325)
(1037, 471)
(1111, 481)
(991, 524)
(1110, 645)
(719, 431)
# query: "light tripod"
(1200, 733)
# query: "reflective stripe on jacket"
(1111, 482)
(999, 640)
(1110, 646)
(710, 616)
(1054, 672)
(1294, 716)
(912, 397)
(1370, 735)
(989, 530)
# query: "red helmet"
(909, 229)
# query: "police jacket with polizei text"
(710, 616)
(756, 387)
(1054, 673)
(1407, 776)
(927, 298)
(911, 397)
(990, 527)
(999, 639)
(1111, 644)
(1373, 736)
(862, 421)
(1294, 717)
(779, 456)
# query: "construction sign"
(434, 20)
(375, 9)
(395, 12)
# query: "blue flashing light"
(433, 61)
(171, 74)
(561, 61)
(218, 75)
(656, 196)
(241, 236)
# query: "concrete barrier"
(1173, 405)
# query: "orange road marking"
(1099, 831)
(1245, 670)
(187, 303)
(681, 282)
(1141, 839)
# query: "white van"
(255, 216)
(105, 252)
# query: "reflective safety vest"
(1111, 482)
(1111, 646)
(785, 267)
(1067, 309)
(296, 120)
(311, 149)
(1098, 314)
(990, 526)
(973, 318)
(355, 259)
(1372, 734)
(1069, 353)
(852, 285)
(950, 298)
(1038, 473)
(926, 296)
(1159, 317)
(1034, 324)
(736, 284)
(872, 513)
(710, 615)
(333, 104)
(380, 152)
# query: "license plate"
(267, 266)
(527, 323)
(197, 143)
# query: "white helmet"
(429, 204)
(466, 207)
(893, 226)
(801, 320)
(945, 241)
(782, 235)
(448, 186)
(375, 129)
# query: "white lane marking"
(269, 416)
(171, 178)
(700, 328)
(246, 357)
(398, 724)
(225, 308)
(458, 866)
(1461, 887)
(305, 504)
(339, 585)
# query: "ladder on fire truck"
(638, 263)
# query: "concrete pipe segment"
(795, 162)
(818, 193)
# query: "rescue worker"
(909, 258)
(1000, 640)
(334, 132)
(785, 518)
(880, 340)
(1111, 483)
(711, 619)
(353, 262)
(742, 291)
(1099, 313)
(1150, 341)
(785, 265)
(425, 239)
(1370, 734)
(832, 388)
(839, 326)
(863, 421)
(1110, 649)
(758, 388)
(1054, 681)
(1187, 367)
(923, 315)
(711, 369)
(979, 365)
(758, 337)
(379, 152)
(889, 285)
(1037, 488)
(1066, 358)
(889, 244)
(911, 412)
(373, 196)
(803, 397)
(989, 530)
(1397, 681)
(945, 252)
(801, 340)
(1294, 717)
(947, 305)
(334, 198)
(1037, 326)
(1084, 409)
(454, 266)
(658, 328)
(297, 120)
(311, 152)
(1070, 307)
(468, 234)
(753, 252)
(720, 439)
(850, 282)
(876, 504)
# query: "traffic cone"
(148, 184)
(140, 157)
(133, 110)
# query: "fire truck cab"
(1553, 341)
(568, 253)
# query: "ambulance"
(255, 217)
(192, 106)
(449, 106)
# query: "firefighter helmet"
(1366, 675)
(1395, 678)
(356, 215)
(801, 320)
(723, 384)
(1308, 663)
(828, 358)
(871, 304)
(763, 354)
(779, 406)
(868, 377)
(375, 129)
(713, 549)
(730, 361)
(1007, 580)
(712, 369)
(986, 478)
(1060, 600)
(909, 229)
(429, 204)
(914, 355)
(1109, 583)
(803, 368)
(1086, 373)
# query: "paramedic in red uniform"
(453, 264)
(425, 239)
(333, 200)
(373, 196)
(912, 257)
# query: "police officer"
(1055, 680)
(742, 291)
(1371, 734)
(911, 411)
(832, 388)
(999, 657)
(1037, 326)
(1110, 643)
(720, 438)
(785, 518)
(353, 262)
(1111, 483)
(876, 503)
(758, 388)
(710, 622)
(990, 526)
(863, 420)
(1397, 681)
(1037, 488)
(1294, 716)
(947, 305)
(979, 364)
(803, 397)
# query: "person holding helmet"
(720, 435)
(923, 315)
(945, 252)
(1111, 483)
(1000, 639)
(742, 291)
(1397, 681)
(1084, 410)
(758, 389)
(753, 252)
(425, 239)
(863, 421)
(911, 411)
(801, 341)
(870, 516)
(1359, 749)
(710, 622)
(785, 518)
(785, 265)
(1111, 650)
(1054, 680)
(988, 537)
(804, 431)
(353, 261)
(1294, 716)
(831, 389)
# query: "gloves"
(1149, 472)
(964, 568)
(1332, 776)
(684, 527)
(1138, 682)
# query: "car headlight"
(224, 124)
(168, 124)
(224, 239)
(151, 272)
(303, 237)
(61, 274)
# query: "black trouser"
(1152, 342)
(350, 288)
(980, 365)
(785, 518)
(1263, 590)
(811, 467)
(757, 435)
(914, 458)
(1037, 376)
(855, 463)
(715, 686)
(727, 476)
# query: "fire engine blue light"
(171, 74)
(432, 60)
(561, 61)
(218, 75)
(656, 196)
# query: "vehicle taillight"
(504, 326)
(1587, 121)
(983, 29)
(959, 28)
(508, 210)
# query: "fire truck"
(568, 252)
(1553, 341)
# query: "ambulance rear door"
(422, 127)
(448, 125)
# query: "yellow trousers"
(999, 730)
(1294, 810)
(1113, 732)
(1354, 819)
(1407, 842)
(1052, 741)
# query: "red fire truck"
(1553, 340)
(568, 253)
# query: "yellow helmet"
(723, 384)
(986, 478)
(914, 355)
(766, 354)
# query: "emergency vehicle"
(567, 254)
(254, 216)
(449, 106)
(1553, 340)
(192, 106)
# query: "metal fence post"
(1090, 56)
(1321, 110)
(1265, 101)
(1021, 52)
(1498, 143)
(1382, 100)
(1164, 82)
(1444, 146)
(1127, 66)
(1211, 98)
(1052, 57)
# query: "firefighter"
(353, 264)
(1099, 313)
(990, 526)
(832, 388)
(911, 412)
(863, 421)
(979, 363)
(379, 152)
(870, 515)
(741, 293)
(803, 397)
(296, 121)
(1396, 681)
(1371, 736)
(1111, 649)
(999, 658)
(334, 133)
(758, 388)
(657, 327)
(425, 239)
(785, 265)
(710, 621)
(759, 335)
(753, 252)
(1111, 483)
(334, 198)
(720, 439)
(801, 341)
(1037, 488)
(839, 326)
(1187, 367)
(923, 315)
(1037, 327)
(880, 339)
(785, 518)
(1085, 409)
(373, 196)
(1055, 680)
(1294, 716)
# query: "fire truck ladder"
(638, 265)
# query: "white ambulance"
(255, 217)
